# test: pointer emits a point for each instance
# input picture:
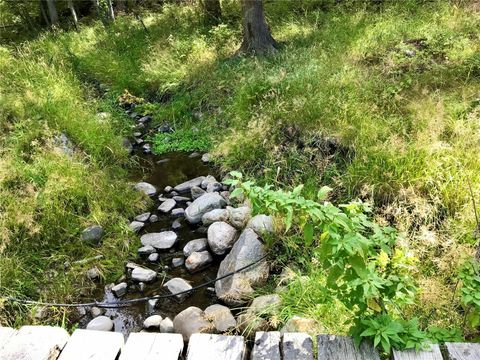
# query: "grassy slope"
(46, 197)
(411, 124)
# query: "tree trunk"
(44, 13)
(111, 14)
(74, 13)
(212, 9)
(52, 11)
(256, 33)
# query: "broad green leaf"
(323, 193)
(237, 192)
(308, 233)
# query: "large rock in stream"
(187, 185)
(238, 289)
(161, 241)
(190, 321)
(202, 205)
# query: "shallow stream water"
(168, 169)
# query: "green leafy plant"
(181, 140)
(367, 271)
(470, 291)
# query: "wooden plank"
(5, 334)
(431, 354)
(267, 346)
(92, 345)
(463, 351)
(297, 346)
(333, 347)
(152, 346)
(215, 347)
(35, 343)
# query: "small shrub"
(182, 140)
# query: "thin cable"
(125, 303)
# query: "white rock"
(146, 188)
(214, 216)
(100, 323)
(162, 241)
(195, 245)
(221, 237)
(143, 275)
(177, 285)
(167, 205)
(261, 224)
(153, 321)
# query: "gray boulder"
(136, 226)
(153, 257)
(178, 261)
(191, 321)
(146, 188)
(153, 321)
(261, 224)
(187, 185)
(221, 237)
(146, 250)
(93, 233)
(167, 205)
(196, 192)
(238, 289)
(221, 317)
(100, 323)
(143, 217)
(198, 261)
(214, 187)
(195, 245)
(162, 241)
(143, 275)
(179, 212)
(239, 217)
(208, 180)
(202, 205)
(166, 326)
(120, 289)
(214, 216)
(177, 285)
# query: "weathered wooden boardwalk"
(51, 343)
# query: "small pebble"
(153, 218)
(153, 257)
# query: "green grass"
(406, 128)
(186, 139)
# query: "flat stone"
(221, 317)
(221, 237)
(100, 323)
(161, 241)
(202, 205)
(216, 347)
(187, 185)
(215, 216)
(32, 343)
(153, 257)
(167, 205)
(177, 285)
(143, 275)
(143, 217)
(93, 233)
(136, 226)
(179, 198)
(196, 192)
(261, 224)
(120, 289)
(195, 245)
(176, 224)
(297, 346)
(238, 288)
(463, 351)
(146, 250)
(152, 322)
(178, 261)
(179, 212)
(267, 346)
(198, 261)
(92, 345)
(152, 346)
(335, 347)
(191, 321)
(146, 188)
(166, 326)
